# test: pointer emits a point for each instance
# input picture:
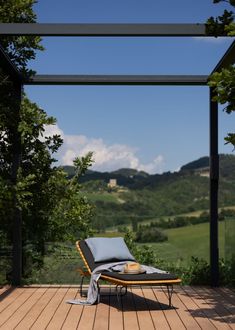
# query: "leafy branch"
(223, 82)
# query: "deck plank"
(211, 313)
(116, 321)
(74, 314)
(158, 317)
(36, 307)
(49, 310)
(170, 312)
(102, 313)
(3, 289)
(60, 315)
(88, 316)
(143, 314)
(229, 296)
(229, 292)
(130, 320)
(12, 309)
(181, 309)
(202, 307)
(14, 294)
(217, 303)
(143, 308)
(194, 309)
(23, 310)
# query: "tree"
(20, 49)
(71, 211)
(223, 82)
(52, 206)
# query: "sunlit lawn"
(188, 241)
(184, 242)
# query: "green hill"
(142, 197)
(196, 164)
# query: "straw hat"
(132, 268)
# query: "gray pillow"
(109, 249)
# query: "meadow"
(188, 241)
(61, 265)
(183, 243)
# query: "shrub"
(144, 254)
(198, 272)
(147, 234)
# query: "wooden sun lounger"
(122, 281)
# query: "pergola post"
(17, 214)
(214, 180)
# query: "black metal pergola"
(118, 30)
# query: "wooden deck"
(44, 307)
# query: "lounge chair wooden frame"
(121, 284)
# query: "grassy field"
(189, 214)
(184, 242)
(188, 241)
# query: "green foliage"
(227, 271)
(223, 82)
(71, 214)
(155, 199)
(52, 206)
(182, 221)
(60, 264)
(20, 49)
(143, 254)
(146, 234)
(59, 212)
(198, 272)
(221, 25)
(196, 164)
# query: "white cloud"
(53, 130)
(106, 157)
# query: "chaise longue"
(122, 280)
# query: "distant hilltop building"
(204, 171)
(112, 183)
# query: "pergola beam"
(117, 80)
(103, 30)
(227, 59)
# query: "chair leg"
(169, 293)
(120, 293)
(98, 297)
(81, 287)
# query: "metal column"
(17, 215)
(214, 180)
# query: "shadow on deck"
(44, 307)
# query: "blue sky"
(155, 129)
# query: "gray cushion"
(109, 249)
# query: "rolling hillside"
(141, 196)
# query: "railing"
(229, 242)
